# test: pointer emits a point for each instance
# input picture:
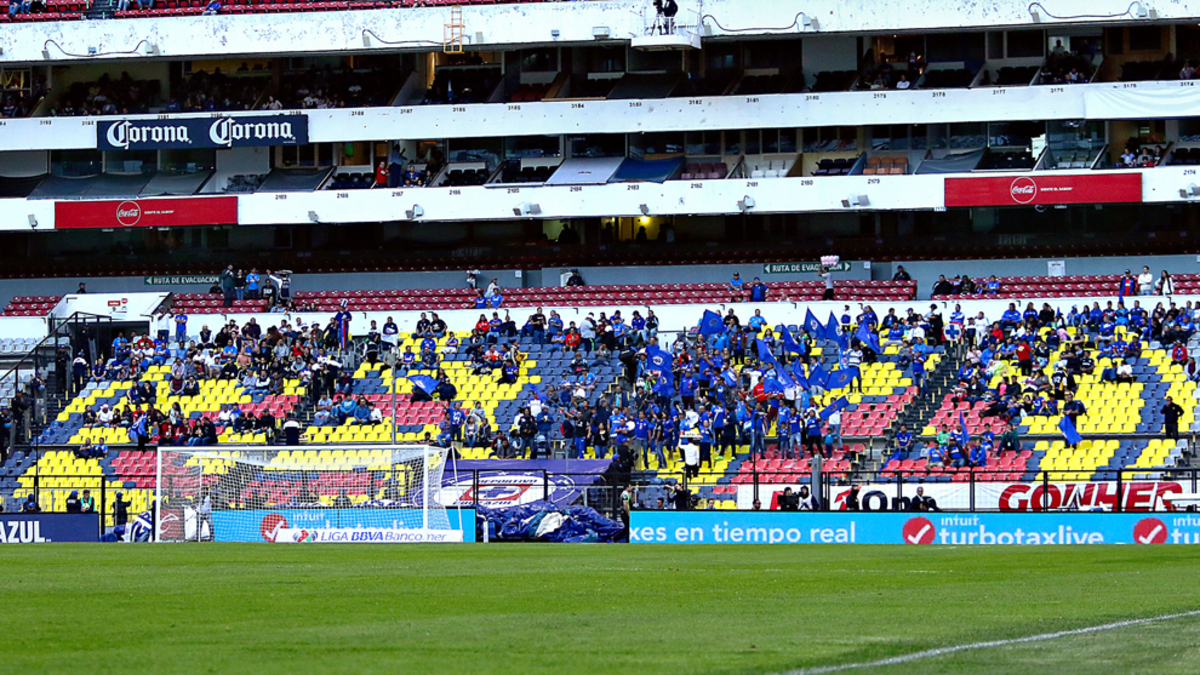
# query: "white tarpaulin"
(1141, 103)
(585, 171)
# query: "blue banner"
(956, 529)
(224, 131)
(41, 528)
(264, 524)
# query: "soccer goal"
(308, 494)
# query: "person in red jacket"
(1025, 358)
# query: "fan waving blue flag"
(789, 343)
(711, 323)
(798, 374)
(729, 378)
(658, 359)
(765, 356)
(817, 377)
(840, 404)
(773, 386)
(868, 337)
(964, 436)
(833, 332)
(812, 325)
(839, 379)
(664, 386)
(423, 382)
(1067, 427)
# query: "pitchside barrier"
(983, 491)
(956, 529)
(505, 483)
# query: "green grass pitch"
(230, 608)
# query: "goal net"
(302, 495)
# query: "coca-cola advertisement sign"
(1044, 190)
(182, 212)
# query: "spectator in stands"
(18, 7)
(1171, 413)
(826, 275)
(1145, 281)
(213, 7)
(735, 288)
(1164, 285)
(943, 286)
(901, 274)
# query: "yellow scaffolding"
(452, 39)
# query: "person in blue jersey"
(706, 441)
(783, 431)
(641, 436)
(812, 432)
(341, 322)
(722, 431)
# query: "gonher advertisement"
(1137, 495)
(376, 525)
(957, 529)
(1044, 190)
(44, 528)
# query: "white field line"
(941, 651)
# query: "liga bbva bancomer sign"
(207, 132)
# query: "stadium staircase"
(101, 9)
(938, 382)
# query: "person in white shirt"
(1145, 281)
(492, 289)
(903, 83)
(1165, 285)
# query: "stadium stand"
(37, 305)
(460, 298)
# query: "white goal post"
(303, 494)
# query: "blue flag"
(658, 359)
(840, 404)
(964, 436)
(664, 386)
(765, 356)
(729, 378)
(798, 374)
(839, 379)
(790, 346)
(773, 386)
(711, 323)
(423, 382)
(831, 328)
(812, 325)
(832, 332)
(817, 377)
(1067, 427)
(868, 337)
